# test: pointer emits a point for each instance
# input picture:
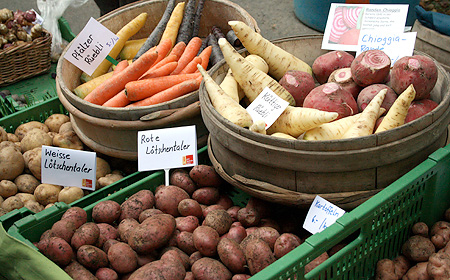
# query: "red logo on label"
(189, 159)
(87, 183)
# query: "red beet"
(370, 67)
(325, 64)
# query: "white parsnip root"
(365, 124)
(396, 115)
(258, 126)
(279, 60)
(251, 79)
(296, 120)
(282, 135)
(224, 104)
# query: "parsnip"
(396, 115)
(296, 120)
(224, 104)
(334, 130)
(282, 135)
(251, 79)
(279, 60)
(229, 84)
(365, 124)
(258, 126)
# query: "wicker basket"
(24, 61)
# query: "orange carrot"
(120, 66)
(165, 60)
(163, 48)
(137, 90)
(189, 53)
(116, 83)
(164, 70)
(205, 55)
(178, 49)
(170, 93)
(118, 100)
(192, 66)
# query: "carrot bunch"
(161, 74)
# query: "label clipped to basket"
(321, 215)
(68, 167)
(267, 106)
(91, 46)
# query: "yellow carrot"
(279, 60)
(85, 88)
(396, 115)
(131, 48)
(296, 120)
(171, 30)
(124, 34)
(365, 124)
(224, 104)
(251, 79)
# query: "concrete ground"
(275, 20)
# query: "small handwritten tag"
(395, 45)
(91, 46)
(321, 215)
(267, 106)
(68, 167)
(167, 148)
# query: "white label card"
(346, 21)
(267, 106)
(395, 45)
(321, 215)
(167, 148)
(68, 167)
(91, 46)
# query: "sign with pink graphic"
(346, 21)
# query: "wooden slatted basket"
(26, 60)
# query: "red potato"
(325, 64)
(188, 223)
(225, 201)
(135, 204)
(206, 195)
(236, 233)
(316, 262)
(440, 234)
(180, 178)
(208, 268)
(189, 275)
(152, 234)
(92, 257)
(240, 277)
(369, 92)
(231, 255)
(418, 248)
(249, 217)
(87, 234)
(257, 254)
(185, 241)
(175, 253)
(108, 243)
(209, 208)
(298, 84)
(168, 197)
(76, 214)
(371, 67)
(331, 97)
(344, 78)
(145, 259)
(268, 222)
(206, 240)
(219, 220)
(419, 70)
(148, 213)
(107, 211)
(64, 229)
(195, 257)
(419, 108)
(58, 250)
(190, 207)
(285, 243)
(125, 227)
(107, 232)
(122, 258)
(262, 206)
(159, 269)
(267, 234)
(417, 272)
(105, 273)
(78, 271)
(205, 176)
(233, 210)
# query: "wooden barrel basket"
(346, 172)
(113, 131)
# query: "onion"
(30, 15)
(338, 26)
(350, 16)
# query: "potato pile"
(20, 165)
(425, 255)
(189, 229)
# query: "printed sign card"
(68, 167)
(346, 22)
(167, 148)
(321, 215)
(267, 106)
(91, 46)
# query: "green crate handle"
(66, 31)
